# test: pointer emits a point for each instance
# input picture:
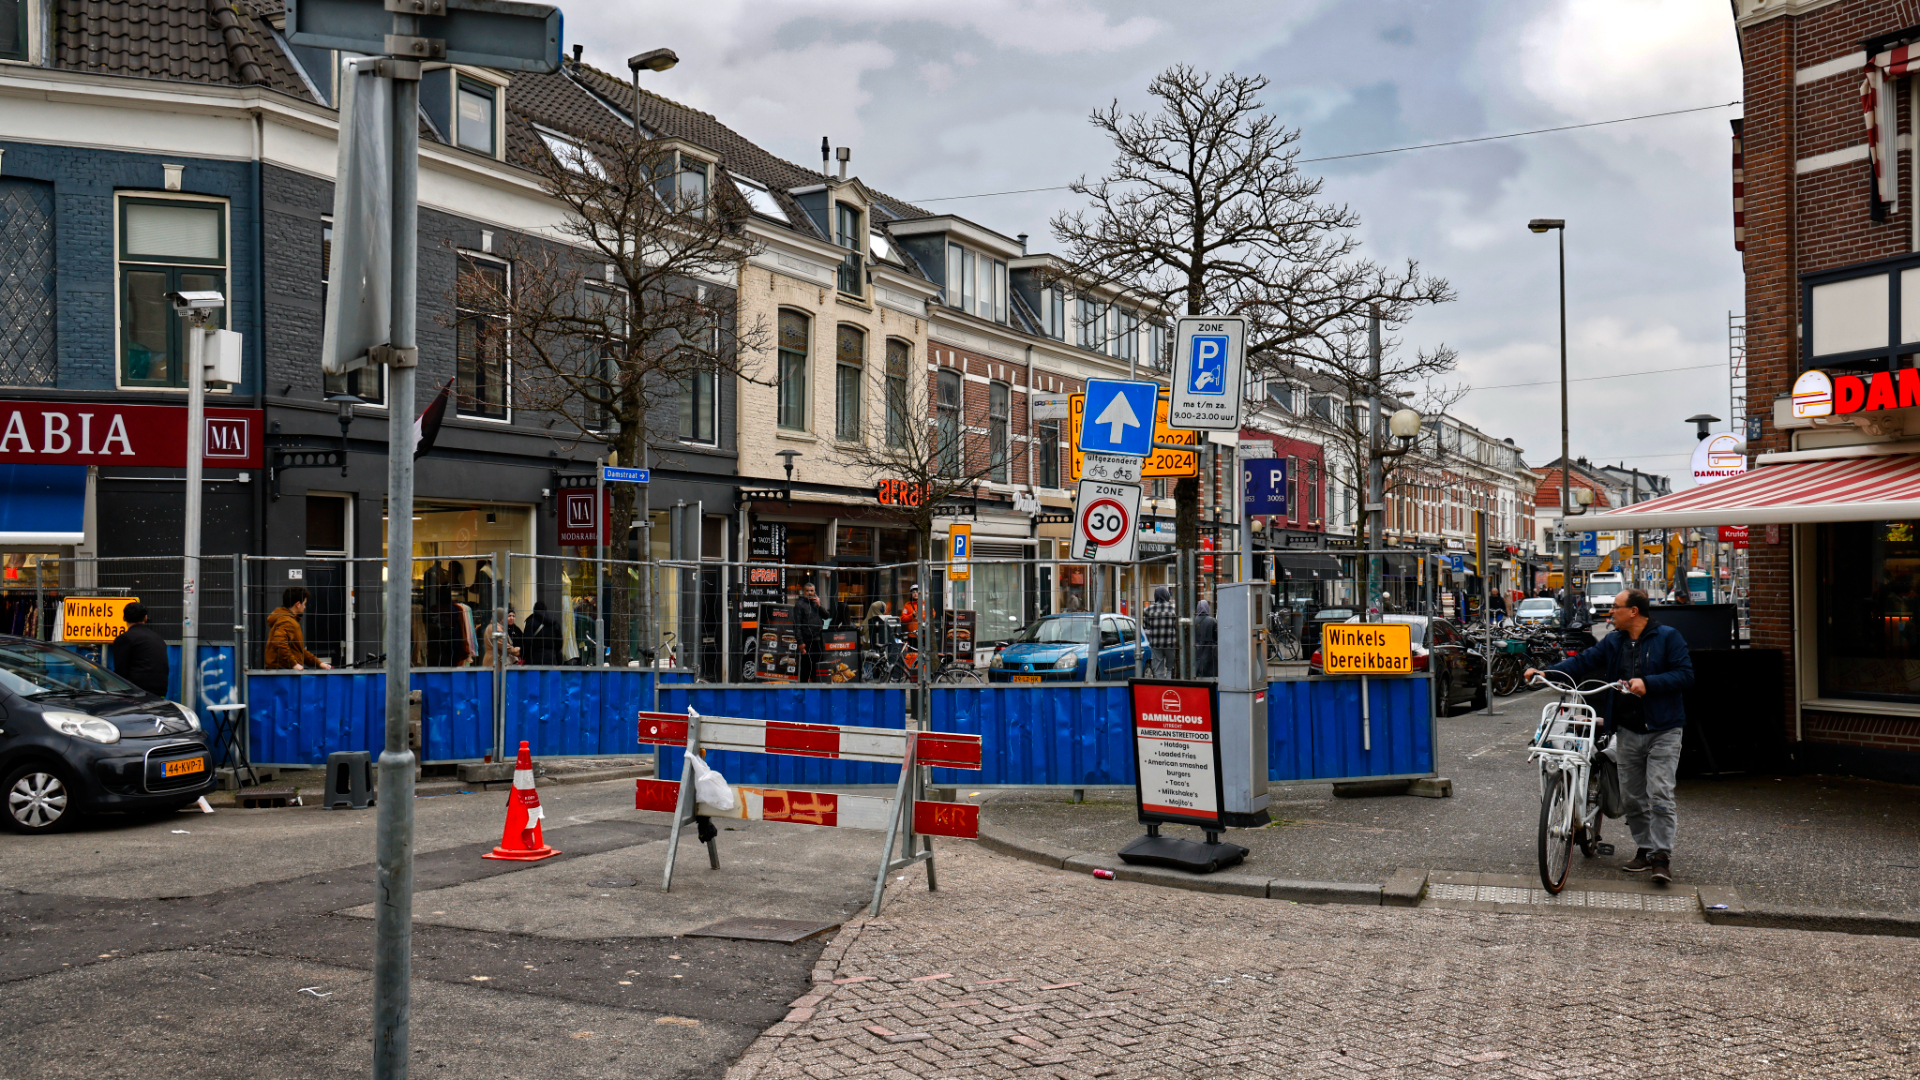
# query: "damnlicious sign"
(1820, 393)
(101, 433)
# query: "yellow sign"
(1160, 463)
(1366, 648)
(91, 620)
(959, 552)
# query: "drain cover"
(613, 883)
(785, 931)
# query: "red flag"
(426, 427)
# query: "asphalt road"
(235, 945)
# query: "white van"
(1601, 589)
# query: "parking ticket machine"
(1242, 618)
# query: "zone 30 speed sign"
(1106, 521)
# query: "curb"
(1739, 912)
(231, 799)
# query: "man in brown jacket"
(286, 645)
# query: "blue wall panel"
(575, 712)
(216, 675)
(853, 706)
(1313, 729)
(1039, 734)
(298, 718)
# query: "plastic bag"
(1606, 784)
(709, 786)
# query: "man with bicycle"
(1653, 665)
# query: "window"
(367, 383)
(611, 305)
(13, 29)
(947, 420)
(1053, 313)
(794, 329)
(999, 408)
(1049, 454)
(850, 360)
(700, 406)
(959, 278)
(1158, 344)
(1869, 610)
(851, 234)
(1313, 491)
(1129, 324)
(481, 340)
(475, 110)
(1293, 487)
(1092, 334)
(165, 246)
(759, 199)
(899, 362)
(682, 181)
(572, 155)
(877, 244)
(1321, 405)
(999, 313)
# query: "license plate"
(1026, 678)
(183, 768)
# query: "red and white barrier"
(909, 749)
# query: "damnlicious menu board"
(777, 653)
(1176, 752)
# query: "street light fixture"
(1559, 225)
(345, 403)
(651, 60)
(786, 459)
(1700, 422)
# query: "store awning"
(1308, 565)
(1798, 492)
(43, 504)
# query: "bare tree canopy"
(628, 312)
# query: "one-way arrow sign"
(1122, 412)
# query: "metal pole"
(1093, 635)
(393, 894)
(190, 558)
(1246, 520)
(1376, 472)
(1566, 460)
(599, 560)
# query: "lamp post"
(1404, 425)
(198, 309)
(1559, 226)
(651, 60)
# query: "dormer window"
(684, 179)
(476, 116)
(759, 199)
(850, 232)
(15, 41)
(976, 283)
(572, 156)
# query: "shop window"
(850, 234)
(475, 116)
(947, 418)
(1869, 609)
(481, 354)
(854, 542)
(899, 363)
(367, 383)
(850, 358)
(1048, 454)
(165, 246)
(999, 409)
(794, 329)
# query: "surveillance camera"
(184, 302)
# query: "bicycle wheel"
(1507, 671)
(1556, 832)
(959, 674)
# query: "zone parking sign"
(1209, 360)
(1106, 524)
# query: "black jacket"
(1665, 665)
(140, 657)
(540, 639)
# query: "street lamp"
(786, 459)
(199, 309)
(1700, 422)
(1559, 225)
(344, 403)
(651, 60)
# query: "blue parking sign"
(1207, 367)
(1266, 487)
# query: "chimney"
(826, 152)
(1023, 243)
(845, 154)
(577, 49)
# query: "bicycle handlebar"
(1584, 689)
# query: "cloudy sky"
(989, 95)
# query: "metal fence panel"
(1314, 729)
(157, 581)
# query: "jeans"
(1648, 764)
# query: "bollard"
(349, 780)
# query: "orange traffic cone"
(521, 840)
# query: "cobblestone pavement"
(1017, 970)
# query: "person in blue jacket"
(1646, 721)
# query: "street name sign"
(614, 474)
(1209, 359)
(1176, 752)
(499, 34)
(1366, 648)
(1119, 417)
(1106, 521)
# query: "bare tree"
(626, 314)
(1206, 210)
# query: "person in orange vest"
(910, 611)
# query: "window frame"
(899, 389)
(462, 83)
(850, 235)
(782, 399)
(122, 261)
(1047, 435)
(25, 26)
(848, 382)
(461, 315)
(999, 432)
(951, 436)
(690, 404)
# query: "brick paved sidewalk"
(1017, 970)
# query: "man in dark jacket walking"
(140, 654)
(809, 625)
(1161, 624)
(1646, 721)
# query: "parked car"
(77, 738)
(1311, 632)
(1054, 649)
(1459, 673)
(1536, 610)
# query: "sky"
(954, 99)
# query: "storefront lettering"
(900, 493)
(72, 433)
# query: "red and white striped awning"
(1849, 489)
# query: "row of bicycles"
(1511, 648)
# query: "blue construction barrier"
(575, 711)
(216, 674)
(1314, 729)
(297, 718)
(1069, 734)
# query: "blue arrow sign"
(1119, 417)
(615, 475)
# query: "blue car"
(1054, 649)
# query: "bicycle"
(1282, 645)
(1565, 744)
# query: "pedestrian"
(139, 654)
(809, 624)
(910, 612)
(1646, 720)
(286, 645)
(1206, 642)
(540, 639)
(584, 610)
(505, 638)
(1161, 624)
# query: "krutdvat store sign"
(98, 433)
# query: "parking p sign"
(1208, 360)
